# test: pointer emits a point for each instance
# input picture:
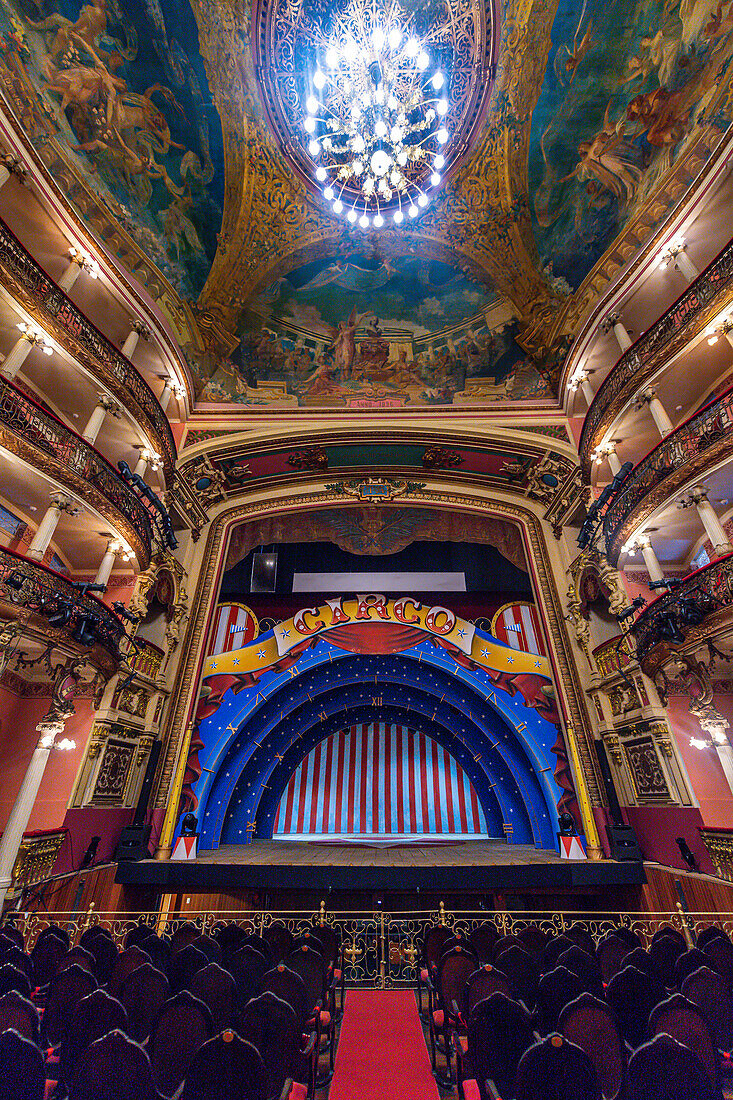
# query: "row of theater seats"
(232, 1015)
(536, 1017)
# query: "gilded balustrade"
(687, 610)
(62, 320)
(708, 295)
(690, 451)
(31, 593)
(44, 441)
(145, 658)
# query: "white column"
(40, 542)
(685, 266)
(650, 558)
(107, 563)
(96, 420)
(17, 356)
(725, 755)
(138, 329)
(657, 409)
(580, 381)
(166, 394)
(72, 273)
(614, 323)
(711, 523)
(608, 450)
(23, 807)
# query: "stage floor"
(470, 865)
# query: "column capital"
(644, 397)
(84, 260)
(64, 503)
(672, 250)
(108, 404)
(35, 336)
(141, 329)
(608, 322)
(11, 164)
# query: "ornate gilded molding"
(569, 687)
(66, 324)
(46, 444)
(698, 445)
(690, 315)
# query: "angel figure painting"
(628, 90)
(367, 331)
(89, 76)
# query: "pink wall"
(703, 766)
(85, 823)
(657, 828)
(18, 737)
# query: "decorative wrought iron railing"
(145, 658)
(74, 463)
(671, 617)
(54, 311)
(37, 854)
(692, 448)
(719, 843)
(32, 588)
(377, 949)
(659, 342)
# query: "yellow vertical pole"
(165, 842)
(581, 792)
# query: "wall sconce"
(34, 336)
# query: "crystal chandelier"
(374, 117)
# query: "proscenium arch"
(490, 730)
(442, 491)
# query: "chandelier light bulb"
(338, 206)
(396, 134)
(442, 106)
(378, 221)
(380, 128)
(364, 221)
(442, 135)
(437, 80)
(398, 217)
(412, 47)
(378, 38)
(439, 161)
(351, 216)
(314, 148)
(402, 158)
(422, 200)
(413, 211)
(311, 104)
(358, 144)
(351, 49)
(310, 125)
(332, 58)
(328, 193)
(380, 162)
(422, 61)
(319, 80)
(321, 174)
(394, 38)
(358, 168)
(435, 179)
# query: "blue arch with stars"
(258, 737)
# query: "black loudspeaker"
(133, 843)
(623, 844)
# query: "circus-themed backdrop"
(369, 715)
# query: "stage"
(473, 865)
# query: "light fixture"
(373, 117)
(65, 744)
(35, 336)
(85, 261)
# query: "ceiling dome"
(374, 101)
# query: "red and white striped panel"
(519, 625)
(234, 626)
(379, 779)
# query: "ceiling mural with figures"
(571, 127)
(120, 85)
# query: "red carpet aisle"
(381, 1050)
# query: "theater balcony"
(42, 455)
(29, 293)
(698, 610)
(44, 608)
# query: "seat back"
(556, 989)
(271, 1025)
(611, 954)
(482, 940)
(226, 1066)
(105, 953)
(185, 934)
(183, 1026)
(65, 990)
(589, 1023)
(143, 994)
(522, 970)
(13, 955)
(709, 991)
(664, 1069)
(183, 965)
(454, 970)
(664, 953)
(482, 983)
(684, 1021)
(687, 963)
(331, 943)
(248, 967)
(719, 950)
(94, 1016)
(552, 951)
(13, 980)
(435, 937)
(555, 1069)
(46, 956)
(499, 1032)
(113, 1068)
(289, 987)
(632, 996)
(533, 939)
(81, 957)
(710, 933)
(127, 961)
(20, 1014)
(22, 1072)
(586, 967)
(280, 941)
(218, 990)
(310, 966)
(208, 947)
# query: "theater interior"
(366, 587)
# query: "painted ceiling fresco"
(626, 88)
(360, 330)
(121, 86)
